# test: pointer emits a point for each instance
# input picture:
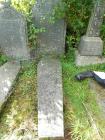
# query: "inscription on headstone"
(13, 38)
(52, 41)
(96, 19)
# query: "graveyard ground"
(19, 115)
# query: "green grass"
(3, 59)
(19, 116)
(76, 94)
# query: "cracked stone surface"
(50, 98)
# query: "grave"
(13, 33)
(52, 40)
(50, 44)
(8, 73)
(50, 98)
(91, 46)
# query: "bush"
(78, 13)
(77, 18)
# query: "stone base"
(88, 60)
(91, 46)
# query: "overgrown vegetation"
(77, 16)
(19, 117)
(21, 109)
(25, 7)
(75, 12)
(3, 59)
(78, 94)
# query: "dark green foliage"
(3, 59)
(77, 17)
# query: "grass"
(76, 94)
(19, 117)
(3, 59)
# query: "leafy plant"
(3, 59)
(25, 7)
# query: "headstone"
(8, 73)
(52, 40)
(96, 19)
(91, 45)
(13, 35)
(50, 98)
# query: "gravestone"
(49, 79)
(13, 35)
(50, 98)
(91, 44)
(52, 40)
(96, 19)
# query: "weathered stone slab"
(8, 73)
(13, 34)
(52, 41)
(50, 98)
(91, 46)
(96, 19)
(88, 60)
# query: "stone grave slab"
(52, 40)
(50, 99)
(8, 73)
(13, 33)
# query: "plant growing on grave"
(76, 14)
(25, 7)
